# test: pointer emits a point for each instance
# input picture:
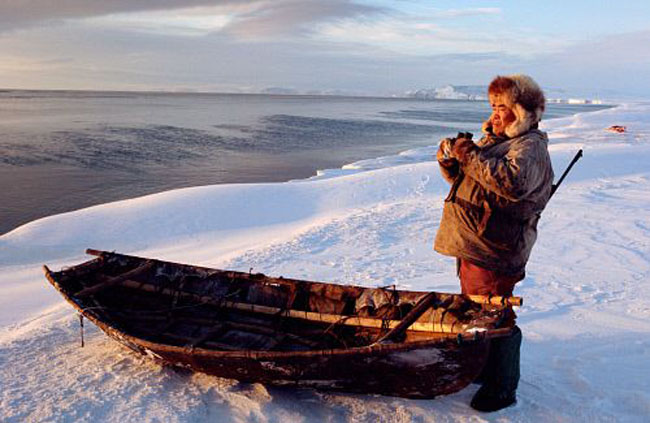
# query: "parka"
(495, 202)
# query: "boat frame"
(424, 364)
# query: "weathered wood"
(263, 330)
(481, 299)
(93, 252)
(188, 342)
(214, 331)
(423, 305)
(266, 331)
(424, 364)
(298, 314)
(496, 300)
(107, 282)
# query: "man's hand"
(462, 148)
(443, 155)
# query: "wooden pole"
(299, 314)
(481, 299)
(108, 282)
(496, 300)
(423, 305)
(93, 252)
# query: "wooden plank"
(481, 299)
(298, 314)
(214, 331)
(188, 342)
(107, 282)
(272, 332)
(229, 324)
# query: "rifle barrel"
(566, 171)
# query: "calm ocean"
(61, 150)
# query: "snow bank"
(586, 320)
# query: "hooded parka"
(499, 191)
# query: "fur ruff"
(527, 102)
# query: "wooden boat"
(280, 331)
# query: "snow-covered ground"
(586, 319)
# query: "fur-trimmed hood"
(526, 100)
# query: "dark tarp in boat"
(279, 331)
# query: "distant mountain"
(293, 91)
(479, 93)
(451, 92)
(279, 90)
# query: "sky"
(573, 48)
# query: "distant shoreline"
(119, 93)
(211, 93)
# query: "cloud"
(275, 17)
(456, 13)
(114, 60)
(424, 36)
(21, 13)
(244, 18)
(319, 45)
(618, 62)
(198, 21)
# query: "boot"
(501, 374)
(488, 401)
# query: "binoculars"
(467, 135)
(447, 151)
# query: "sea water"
(65, 150)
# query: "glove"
(462, 149)
(444, 153)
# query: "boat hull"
(422, 366)
(419, 372)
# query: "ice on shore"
(586, 319)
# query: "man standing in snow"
(499, 187)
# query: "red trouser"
(475, 280)
(500, 375)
